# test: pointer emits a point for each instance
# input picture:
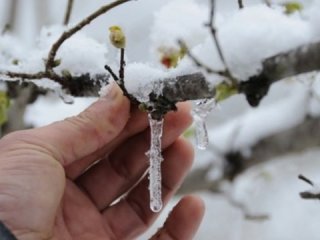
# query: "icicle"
(66, 98)
(155, 159)
(200, 113)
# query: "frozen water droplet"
(66, 98)
(155, 159)
(200, 113)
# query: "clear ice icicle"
(200, 113)
(155, 159)
(66, 98)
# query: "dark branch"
(199, 64)
(310, 196)
(240, 3)
(305, 179)
(303, 59)
(295, 140)
(68, 12)
(213, 30)
(84, 85)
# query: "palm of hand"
(48, 192)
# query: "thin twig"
(68, 12)
(213, 30)
(113, 75)
(55, 47)
(305, 179)
(240, 3)
(197, 62)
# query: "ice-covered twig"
(305, 179)
(200, 114)
(155, 159)
(68, 12)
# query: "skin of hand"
(52, 185)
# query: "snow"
(138, 78)
(246, 42)
(313, 17)
(179, 19)
(258, 123)
(11, 49)
(44, 110)
(79, 54)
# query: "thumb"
(79, 136)
(184, 220)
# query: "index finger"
(79, 136)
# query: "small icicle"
(66, 98)
(155, 159)
(200, 113)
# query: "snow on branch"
(194, 86)
(305, 135)
(300, 60)
(67, 34)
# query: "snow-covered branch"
(303, 59)
(67, 34)
(294, 140)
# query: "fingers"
(76, 137)
(132, 215)
(137, 123)
(110, 178)
(184, 220)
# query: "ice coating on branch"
(65, 97)
(155, 159)
(200, 113)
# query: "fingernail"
(109, 91)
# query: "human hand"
(48, 191)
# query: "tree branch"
(240, 3)
(68, 12)
(305, 135)
(213, 30)
(194, 86)
(303, 59)
(76, 28)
